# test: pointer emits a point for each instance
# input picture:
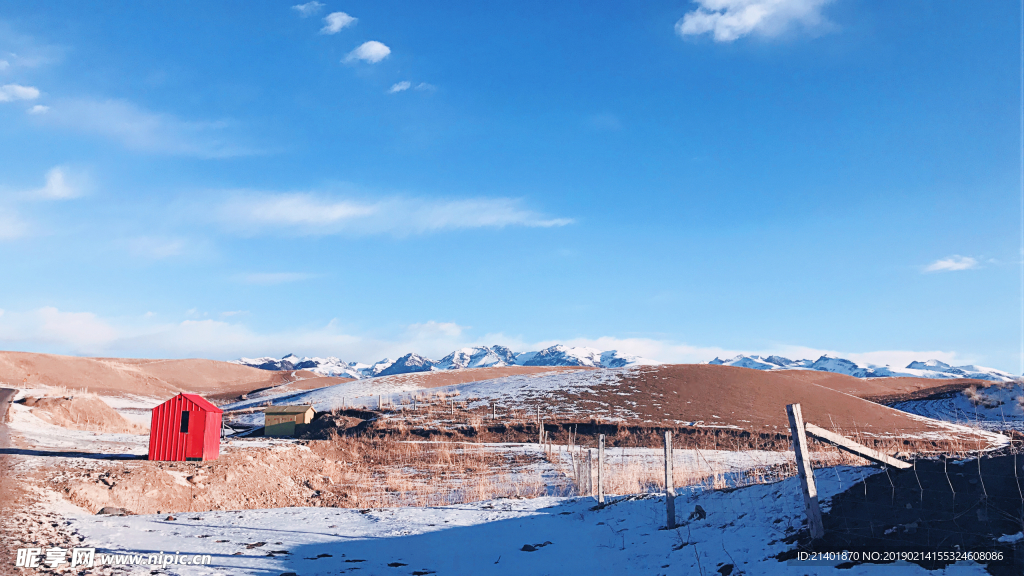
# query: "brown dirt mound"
(81, 412)
(154, 378)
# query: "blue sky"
(362, 179)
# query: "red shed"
(185, 428)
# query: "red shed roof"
(202, 403)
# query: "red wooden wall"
(200, 442)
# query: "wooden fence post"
(590, 471)
(670, 491)
(600, 469)
(494, 411)
(804, 470)
(379, 405)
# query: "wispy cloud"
(12, 92)
(316, 214)
(269, 278)
(400, 87)
(38, 109)
(952, 264)
(61, 184)
(308, 9)
(406, 85)
(729, 20)
(371, 51)
(139, 129)
(4, 65)
(335, 21)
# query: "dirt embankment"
(81, 412)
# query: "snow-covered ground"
(547, 535)
(508, 391)
(994, 408)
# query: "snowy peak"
(559, 355)
(474, 357)
(407, 364)
(836, 365)
(477, 357)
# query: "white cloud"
(269, 278)
(308, 9)
(432, 330)
(311, 214)
(4, 65)
(728, 20)
(61, 184)
(48, 326)
(335, 21)
(143, 130)
(952, 264)
(12, 92)
(38, 109)
(399, 87)
(424, 87)
(371, 51)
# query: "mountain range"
(560, 355)
(827, 363)
(475, 357)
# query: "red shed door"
(196, 434)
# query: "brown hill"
(756, 399)
(152, 378)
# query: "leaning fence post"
(670, 491)
(600, 469)
(804, 470)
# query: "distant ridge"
(827, 363)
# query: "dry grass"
(383, 473)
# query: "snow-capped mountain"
(827, 363)
(476, 357)
(409, 363)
